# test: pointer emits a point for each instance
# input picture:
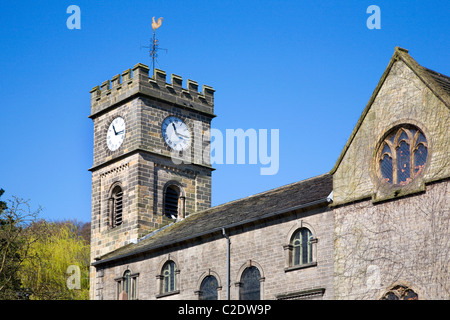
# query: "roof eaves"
(144, 249)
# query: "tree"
(59, 269)
(41, 260)
(15, 242)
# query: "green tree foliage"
(41, 260)
(58, 268)
(15, 242)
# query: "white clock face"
(176, 133)
(115, 134)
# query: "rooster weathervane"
(155, 42)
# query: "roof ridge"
(427, 76)
(261, 193)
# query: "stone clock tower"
(151, 155)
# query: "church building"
(376, 226)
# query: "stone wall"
(389, 235)
(261, 245)
(405, 241)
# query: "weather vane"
(155, 42)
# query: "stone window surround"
(160, 278)
(385, 191)
(134, 283)
(110, 207)
(262, 279)
(392, 129)
(206, 274)
(288, 248)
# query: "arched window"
(402, 155)
(127, 286)
(250, 284)
(208, 288)
(127, 282)
(116, 206)
(302, 249)
(173, 202)
(168, 277)
(400, 292)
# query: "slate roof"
(287, 198)
(442, 80)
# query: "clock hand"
(114, 130)
(120, 132)
(176, 133)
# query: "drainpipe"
(228, 262)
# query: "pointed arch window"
(402, 155)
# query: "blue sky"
(307, 68)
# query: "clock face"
(176, 133)
(115, 134)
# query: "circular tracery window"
(402, 155)
(400, 293)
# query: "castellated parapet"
(137, 81)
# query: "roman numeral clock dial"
(176, 133)
(115, 134)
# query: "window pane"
(172, 278)
(403, 165)
(403, 136)
(208, 288)
(127, 282)
(296, 249)
(410, 295)
(386, 169)
(301, 247)
(169, 277)
(420, 158)
(306, 246)
(250, 287)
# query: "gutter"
(326, 200)
(228, 262)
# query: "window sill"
(162, 295)
(302, 266)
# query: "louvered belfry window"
(172, 196)
(116, 206)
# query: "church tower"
(151, 155)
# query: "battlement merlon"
(136, 81)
